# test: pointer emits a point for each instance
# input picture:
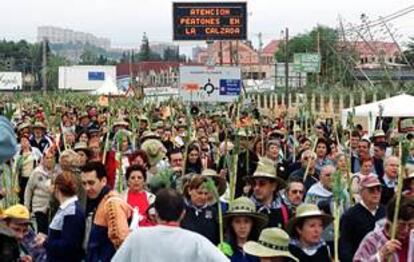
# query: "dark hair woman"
(193, 162)
(306, 233)
(136, 195)
(242, 224)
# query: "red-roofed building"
(243, 53)
(151, 73)
(373, 53)
(268, 52)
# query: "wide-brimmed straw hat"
(155, 150)
(245, 207)
(82, 146)
(219, 181)
(121, 122)
(39, 125)
(266, 168)
(273, 242)
(149, 135)
(305, 211)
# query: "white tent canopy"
(108, 88)
(396, 106)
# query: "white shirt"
(373, 212)
(166, 244)
(390, 183)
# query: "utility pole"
(318, 41)
(44, 64)
(286, 67)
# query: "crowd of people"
(118, 185)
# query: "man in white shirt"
(167, 241)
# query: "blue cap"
(8, 142)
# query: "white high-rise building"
(56, 35)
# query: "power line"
(380, 20)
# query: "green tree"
(335, 66)
(88, 57)
(52, 74)
(409, 52)
(171, 54)
(145, 53)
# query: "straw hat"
(219, 181)
(243, 206)
(82, 146)
(154, 149)
(304, 211)
(377, 133)
(273, 242)
(83, 115)
(39, 125)
(121, 122)
(148, 135)
(266, 168)
(24, 125)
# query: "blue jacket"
(66, 232)
(240, 256)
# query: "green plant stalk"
(336, 231)
(118, 155)
(398, 195)
(235, 159)
(211, 187)
(307, 165)
(187, 138)
(106, 144)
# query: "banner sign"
(210, 21)
(306, 62)
(210, 84)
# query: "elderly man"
(321, 191)
(307, 159)
(377, 245)
(360, 219)
(389, 180)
